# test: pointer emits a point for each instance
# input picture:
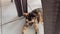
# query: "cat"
(31, 18)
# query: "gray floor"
(0, 15)
(16, 28)
(0, 20)
(9, 15)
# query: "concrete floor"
(9, 15)
(0, 16)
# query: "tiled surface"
(0, 15)
(13, 28)
(34, 4)
(5, 2)
(9, 13)
(0, 12)
(0, 29)
(16, 28)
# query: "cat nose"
(32, 20)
